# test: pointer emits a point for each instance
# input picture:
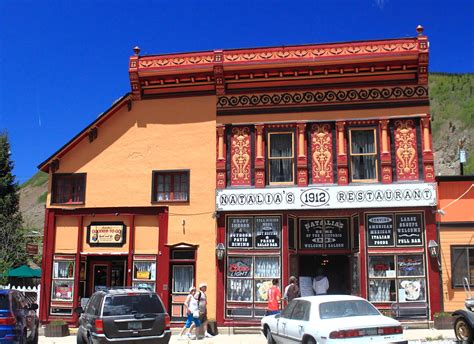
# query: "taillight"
(99, 326)
(167, 322)
(9, 320)
(390, 330)
(346, 334)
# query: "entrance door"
(100, 275)
(335, 267)
(182, 278)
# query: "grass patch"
(42, 199)
(38, 179)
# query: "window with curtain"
(183, 278)
(281, 158)
(462, 265)
(170, 186)
(69, 188)
(363, 155)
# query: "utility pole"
(462, 155)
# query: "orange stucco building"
(235, 167)
(456, 236)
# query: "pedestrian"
(202, 302)
(192, 314)
(291, 290)
(274, 298)
(320, 283)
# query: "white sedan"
(327, 319)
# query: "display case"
(144, 271)
(63, 278)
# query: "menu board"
(327, 233)
(409, 229)
(379, 230)
(311, 236)
(267, 232)
(336, 233)
(239, 232)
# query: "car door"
(282, 321)
(299, 321)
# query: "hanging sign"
(267, 232)
(379, 230)
(330, 197)
(106, 234)
(239, 232)
(409, 229)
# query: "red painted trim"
(434, 275)
(44, 263)
(47, 265)
(220, 283)
(362, 256)
(80, 230)
(131, 248)
(163, 258)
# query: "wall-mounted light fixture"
(220, 251)
(433, 247)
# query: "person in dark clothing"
(291, 290)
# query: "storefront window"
(387, 284)
(63, 278)
(144, 272)
(254, 232)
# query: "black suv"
(127, 315)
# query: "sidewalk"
(415, 336)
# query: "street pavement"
(414, 336)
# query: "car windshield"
(132, 304)
(346, 308)
(4, 302)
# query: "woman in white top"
(191, 306)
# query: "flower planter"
(444, 322)
(56, 330)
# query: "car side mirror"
(33, 307)
(78, 310)
(277, 316)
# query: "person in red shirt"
(274, 298)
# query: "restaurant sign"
(106, 234)
(330, 197)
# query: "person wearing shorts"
(191, 306)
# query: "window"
(183, 278)
(69, 188)
(301, 311)
(363, 154)
(281, 158)
(170, 186)
(462, 265)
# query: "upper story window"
(170, 186)
(281, 158)
(363, 155)
(462, 265)
(68, 188)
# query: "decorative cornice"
(321, 97)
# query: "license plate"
(136, 325)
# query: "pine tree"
(12, 240)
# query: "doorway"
(335, 267)
(105, 273)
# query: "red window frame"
(173, 186)
(68, 188)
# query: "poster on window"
(62, 290)
(239, 232)
(336, 233)
(379, 230)
(412, 290)
(267, 231)
(409, 229)
(239, 290)
(311, 234)
(239, 267)
(261, 290)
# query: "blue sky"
(62, 63)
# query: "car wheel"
(462, 330)
(309, 340)
(270, 339)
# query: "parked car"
(126, 315)
(328, 319)
(464, 323)
(18, 320)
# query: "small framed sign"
(106, 234)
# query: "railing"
(32, 294)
